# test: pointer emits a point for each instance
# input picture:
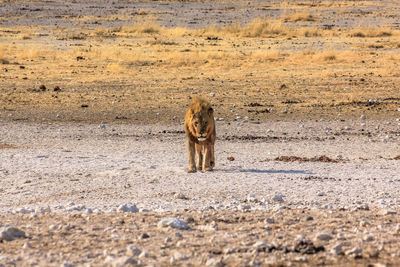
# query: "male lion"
(200, 135)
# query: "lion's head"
(200, 119)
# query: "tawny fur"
(200, 135)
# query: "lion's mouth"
(201, 138)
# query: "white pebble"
(212, 94)
(174, 223)
(127, 208)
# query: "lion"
(200, 135)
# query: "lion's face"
(202, 124)
(199, 119)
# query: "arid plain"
(307, 100)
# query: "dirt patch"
(226, 238)
(322, 158)
(6, 146)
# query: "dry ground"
(277, 238)
(139, 63)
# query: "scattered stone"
(388, 212)
(102, 126)
(144, 236)
(244, 207)
(260, 245)
(230, 158)
(369, 238)
(132, 250)
(179, 256)
(180, 196)
(278, 198)
(252, 198)
(270, 220)
(127, 208)
(212, 94)
(57, 89)
(214, 262)
(337, 249)
(398, 228)
(174, 223)
(42, 87)
(9, 233)
(320, 194)
(119, 262)
(323, 236)
(356, 251)
(229, 251)
(363, 117)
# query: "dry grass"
(296, 17)
(363, 33)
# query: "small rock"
(244, 207)
(230, 158)
(214, 262)
(144, 254)
(180, 196)
(337, 249)
(260, 245)
(179, 256)
(323, 236)
(270, 220)
(229, 251)
(132, 250)
(388, 212)
(119, 262)
(57, 89)
(363, 117)
(320, 194)
(356, 251)
(368, 238)
(9, 233)
(174, 223)
(398, 228)
(102, 126)
(127, 208)
(144, 236)
(278, 198)
(252, 198)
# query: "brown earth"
(277, 238)
(140, 62)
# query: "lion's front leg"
(212, 156)
(207, 157)
(191, 152)
(199, 156)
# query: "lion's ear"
(210, 111)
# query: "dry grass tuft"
(363, 33)
(296, 17)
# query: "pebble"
(102, 126)
(320, 194)
(179, 196)
(132, 250)
(214, 262)
(323, 236)
(260, 245)
(337, 249)
(270, 220)
(278, 198)
(354, 251)
(212, 94)
(369, 238)
(388, 212)
(174, 223)
(9, 233)
(363, 117)
(127, 208)
(252, 198)
(122, 261)
(244, 207)
(398, 228)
